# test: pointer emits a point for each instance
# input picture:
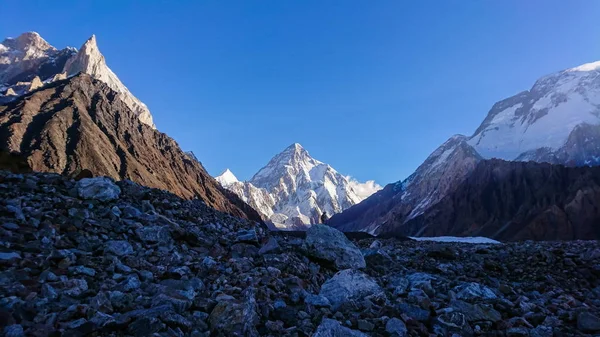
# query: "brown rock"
(81, 123)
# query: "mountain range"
(557, 121)
(294, 189)
(527, 172)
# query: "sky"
(369, 87)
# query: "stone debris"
(101, 258)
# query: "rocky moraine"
(98, 258)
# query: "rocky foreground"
(98, 258)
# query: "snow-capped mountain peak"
(592, 66)
(294, 189)
(536, 124)
(29, 56)
(226, 178)
(89, 60)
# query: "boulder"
(588, 322)
(348, 285)
(472, 291)
(99, 188)
(326, 243)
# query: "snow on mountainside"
(294, 189)
(557, 121)
(28, 60)
(537, 123)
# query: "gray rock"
(474, 291)
(9, 256)
(365, 325)
(414, 312)
(396, 328)
(333, 328)
(477, 312)
(329, 244)
(132, 282)
(454, 322)
(317, 301)
(75, 287)
(11, 226)
(517, 332)
(81, 270)
(272, 246)
(118, 248)
(587, 322)
(541, 331)
(249, 236)
(153, 234)
(348, 285)
(15, 330)
(145, 326)
(235, 318)
(49, 292)
(99, 188)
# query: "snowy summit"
(226, 178)
(294, 189)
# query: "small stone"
(541, 331)
(9, 256)
(10, 226)
(317, 301)
(517, 332)
(75, 287)
(396, 328)
(132, 282)
(49, 292)
(364, 325)
(81, 270)
(118, 248)
(333, 328)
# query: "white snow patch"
(473, 239)
(587, 67)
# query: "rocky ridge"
(94, 257)
(81, 124)
(28, 60)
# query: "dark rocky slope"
(80, 123)
(95, 258)
(516, 201)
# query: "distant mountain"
(516, 201)
(28, 61)
(557, 121)
(294, 189)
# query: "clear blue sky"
(370, 87)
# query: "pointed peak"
(91, 40)
(226, 178)
(295, 148)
